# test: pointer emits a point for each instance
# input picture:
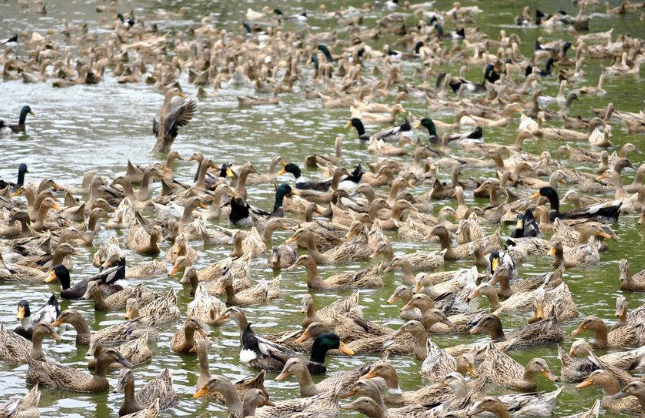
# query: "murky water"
(101, 127)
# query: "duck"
(175, 112)
(47, 313)
(144, 243)
(158, 390)
(13, 348)
(118, 300)
(23, 170)
(609, 383)
(626, 336)
(204, 307)
(546, 331)
(110, 281)
(394, 134)
(605, 212)
(297, 367)
(347, 252)
(357, 124)
(21, 126)
(58, 376)
(417, 261)
(630, 282)
(362, 279)
(183, 341)
(502, 370)
(24, 407)
(261, 353)
(258, 294)
(527, 404)
(395, 396)
(635, 389)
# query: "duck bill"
(229, 173)
(584, 384)
(549, 375)
(304, 337)
(347, 394)
(603, 234)
(129, 314)
(374, 254)
(281, 172)
(56, 207)
(475, 330)
(268, 403)
(369, 375)
(407, 307)
(201, 392)
(32, 113)
(290, 241)
(20, 315)
(203, 206)
(494, 264)
(174, 270)
(418, 288)
(388, 268)
(392, 299)
(472, 371)
(475, 293)
(619, 395)
(536, 195)
(282, 376)
(125, 363)
(52, 276)
(86, 295)
(447, 322)
(57, 323)
(345, 350)
(552, 252)
(348, 125)
(519, 224)
(576, 332)
(55, 337)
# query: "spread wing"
(181, 112)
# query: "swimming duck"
(108, 279)
(366, 278)
(297, 367)
(20, 181)
(20, 127)
(546, 331)
(347, 252)
(13, 348)
(158, 389)
(629, 282)
(501, 369)
(23, 407)
(58, 376)
(604, 212)
(609, 383)
(360, 128)
(183, 342)
(47, 313)
(626, 336)
(522, 405)
(260, 293)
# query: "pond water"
(100, 127)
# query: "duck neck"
(146, 182)
(408, 271)
(500, 411)
(127, 188)
(37, 346)
(600, 336)
(313, 279)
(231, 298)
(270, 228)
(640, 174)
(373, 212)
(626, 274)
(187, 215)
(610, 385)
(496, 332)
(130, 404)
(58, 257)
(444, 238)
(312, 249)
(200, 179)
(369, 194)
(240, 188)
(232, 400)
(93, 222)
(83, 333)
(238, 250)
(99, 303)
(23, 117)
(307, 385)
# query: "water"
(100, 127)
